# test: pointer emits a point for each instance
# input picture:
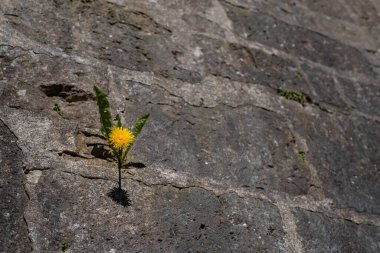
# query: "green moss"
(65, 246)
(294, 95)
(58, 109)
(298, 76)
(302, 155)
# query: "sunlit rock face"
(226, 162)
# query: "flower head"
(121, 138)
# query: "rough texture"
(225, 163)
(14, 231)
(316, 231)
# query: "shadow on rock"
(135, 165)
(100, 151)
(120, 196)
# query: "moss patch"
(302, 155)
(294, 95)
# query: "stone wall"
(229, 161)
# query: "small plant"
(298, 76)
(294, 95)
(302, 155)
(64, 246)
(120, 139)
(58, 109)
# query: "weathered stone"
(338, 21)
(316, 231)
(364, 96)
(161, 218)
(240, 63)
(14, 230)
(198, 143)
(203, 25)
(295, 40)
(367, 135)
(130, 43)
(338, 10)
(365, 12)
(225, 162)
(323, 87)
(344, 154)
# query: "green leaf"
(118, 120)
(136, 130)
(139, 125)
(104, 111)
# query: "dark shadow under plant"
(120, 196)
(135, 165)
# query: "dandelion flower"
(121, 138)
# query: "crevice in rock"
(68, 92)
(167, 184)
(28, 231)
(236, 5)
(319, 66)
(275, 198)
(348, 214)
(24, 218)
(73, 154)
(366, 116)
(10, 130)
(300, 144)
(177, 96)
(215, 189)
(88, 133)
(87, 176)
(159, 103)
(17, 177)
(27, 170)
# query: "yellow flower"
(121, 138)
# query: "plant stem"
(119, 167)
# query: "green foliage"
(104, 111)
(136, 130)
(119, 151)
(140, 124)
(294, 95)
(117, 119)
(298, 76)
(302, 155)
(58, 109)
(65, 246)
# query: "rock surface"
(225, 163)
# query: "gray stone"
(221, 143)
(225, 163)
(316, 231)
(364, 96)
(324, 88)
(240, 63)
(337, 10)
(295, 40)
(345, 157)
(339, 21)
(161, 218)
(203, 25)
(14, 230)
